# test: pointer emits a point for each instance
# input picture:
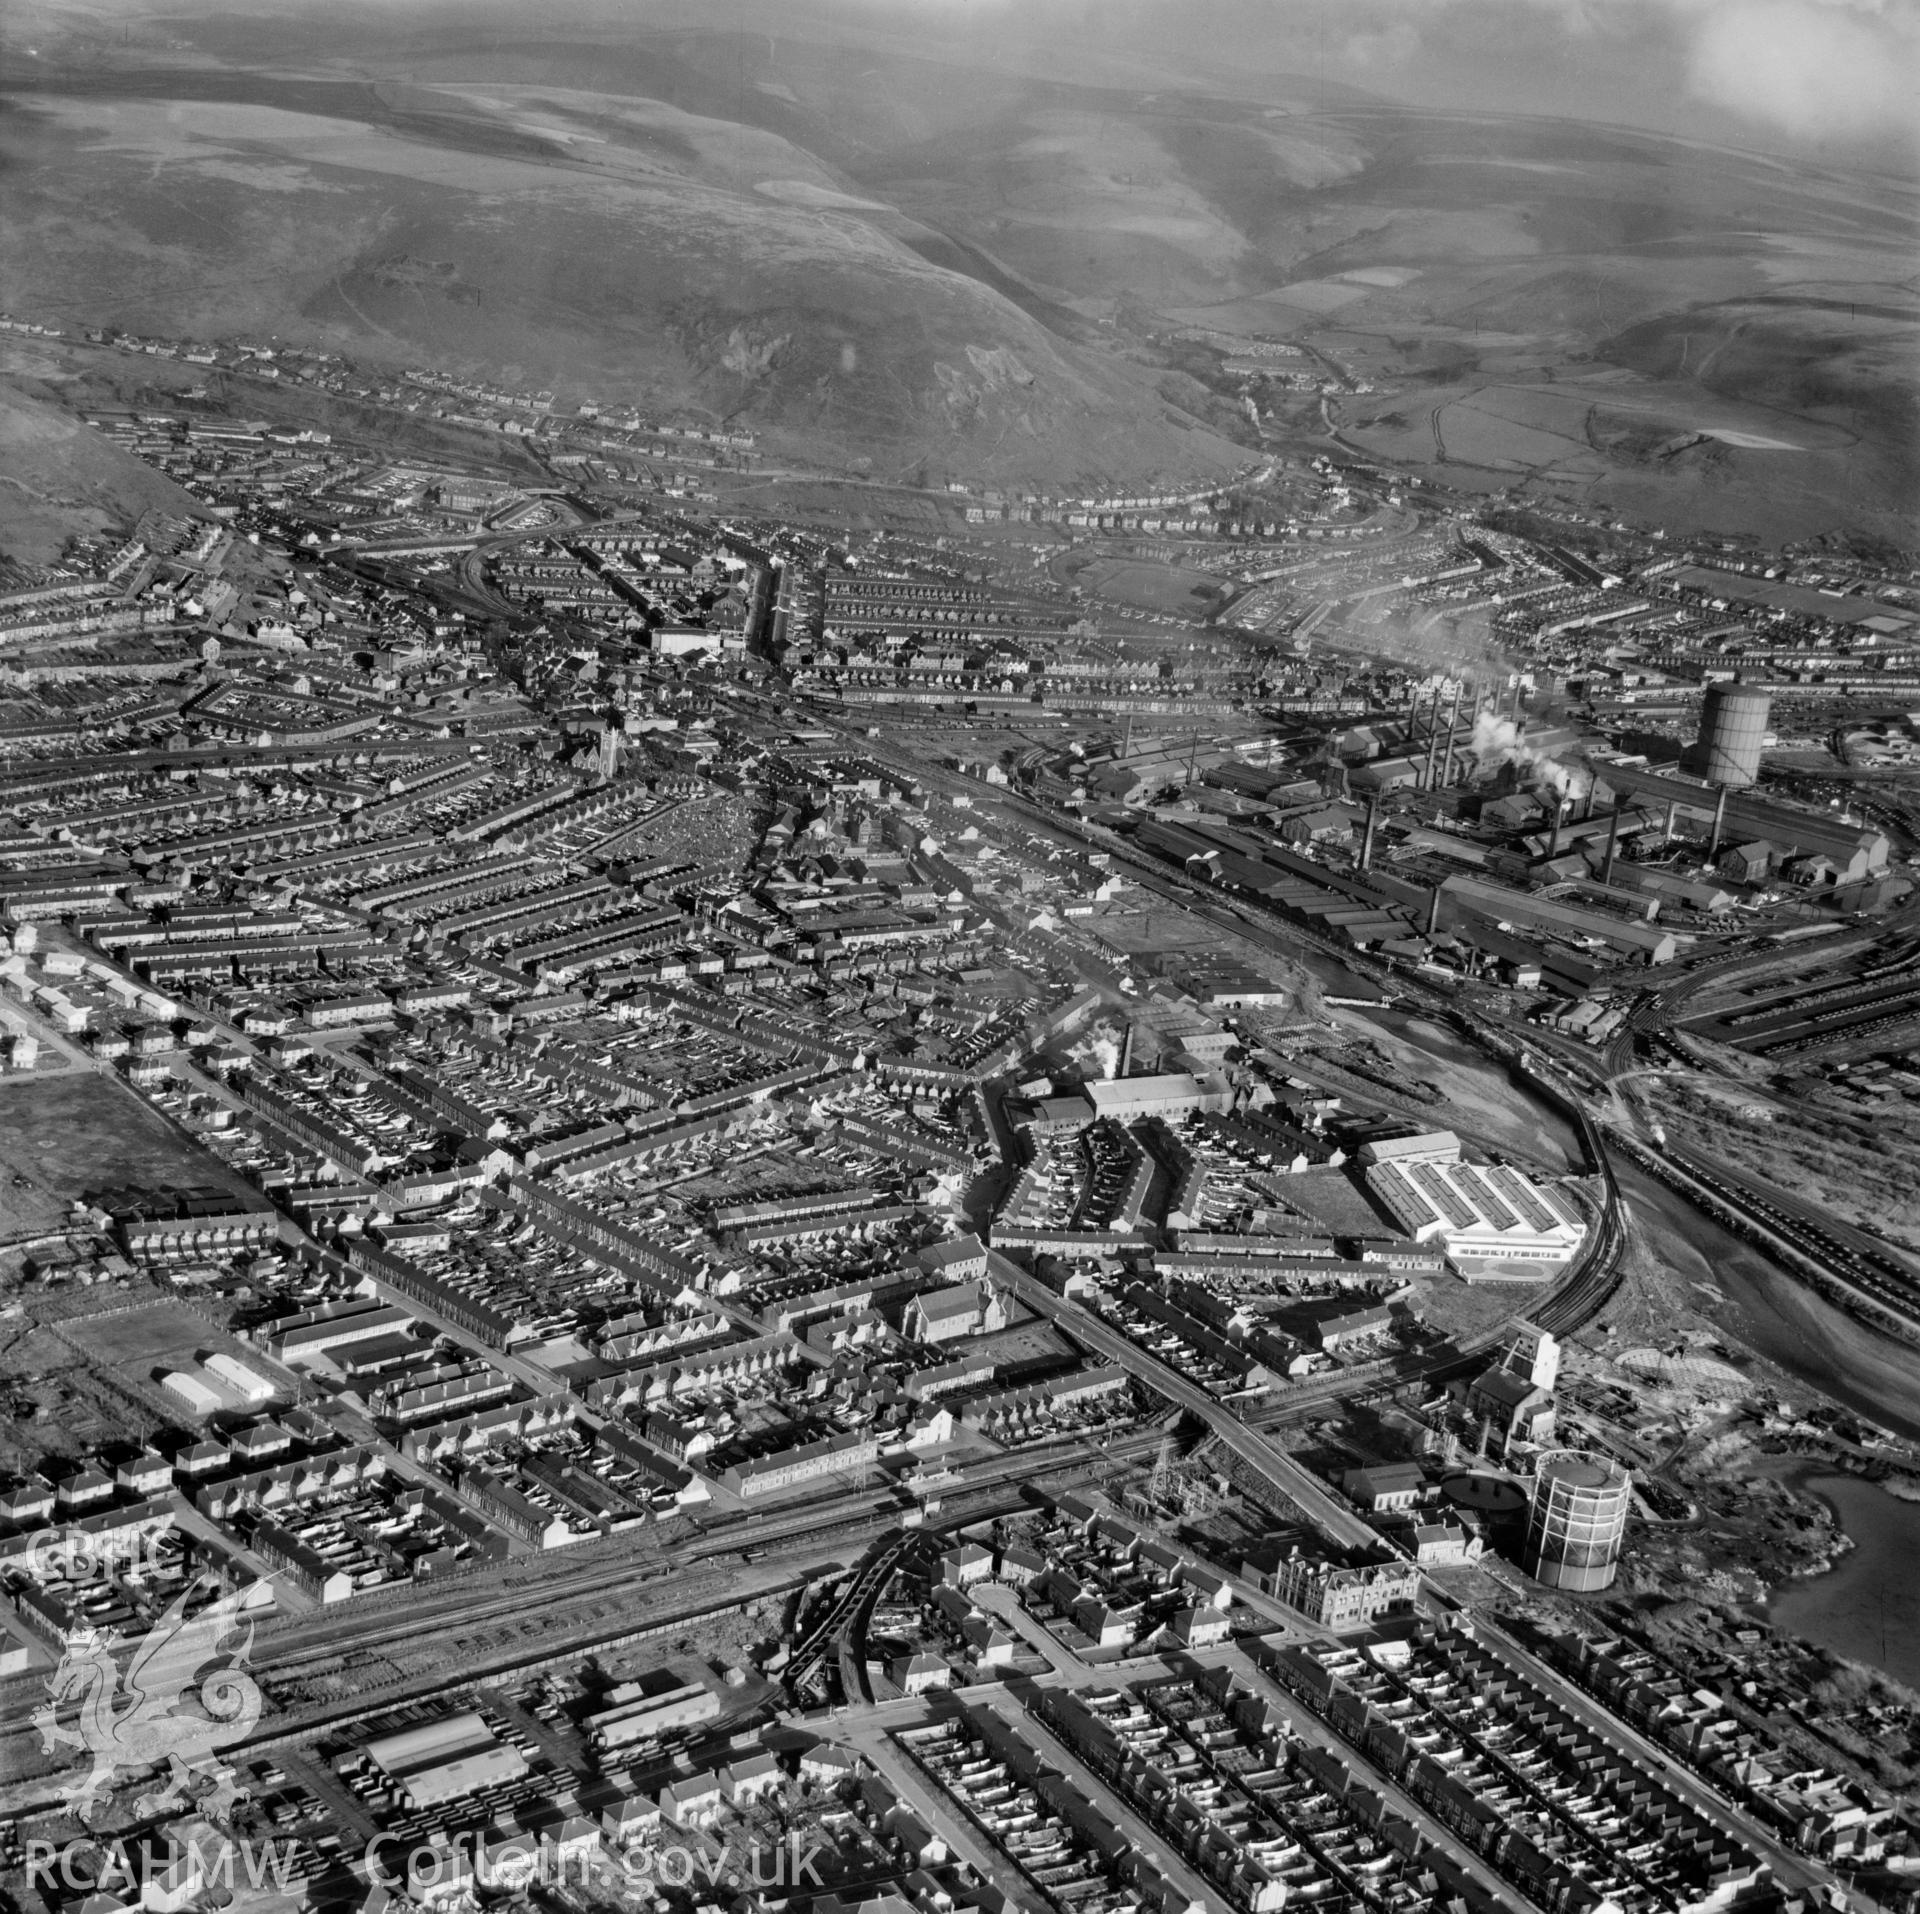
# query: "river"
(1867, 1607)
(1492, 1096)
(1728, 1281)
(1489, 1098)
(1772, 1313)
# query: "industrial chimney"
(1613, 846)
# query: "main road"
(1253, 1445)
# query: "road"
(944, 1817)
(871, 1729)
(1001, 1600)
(1308, 1727)
(537, 1607)
(1794, 1870)
(1162, 1855)
(1250, 1443)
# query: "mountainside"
(927, 263)
(57, 478)
(623, 248)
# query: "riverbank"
(1866, 1606)
(1780, 1319)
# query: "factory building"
(1494, 1222)
(248, 1384)
(313, 1332)
(645, 1710)
(1857, 851)
(1576, 1520)
(193, 1391)
(1125, 1098)
(441, 1760)
(1515, 1397)
(1471, 898)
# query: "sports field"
(63, 1135)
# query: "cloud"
(1811, 70)
(1821, 71)
(1394, 44)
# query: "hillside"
(622, 248)
(927, 260)
(57, 479)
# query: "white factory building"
(1176, 1095)
(248, 1384)
(1495, 1224)
(192, 1390)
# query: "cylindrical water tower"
(1576, 1520)
(1733, 729)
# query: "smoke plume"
(1498, 741)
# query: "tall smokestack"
(1613, 846)
(1553, 836)
(1433, 744)
(1433, 910)
(1453, 727)
(1719, 823)
(1366, 841)
(1673, 811)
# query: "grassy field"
(608, 243)
(63, 1136)
(923, 268)
(1174, 590)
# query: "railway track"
(852, 1511)
(845, 1608)
(559, 1600)
(1851, 1262)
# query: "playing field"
(61, 1136)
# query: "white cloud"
(1395, 44)
(1813, 70)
